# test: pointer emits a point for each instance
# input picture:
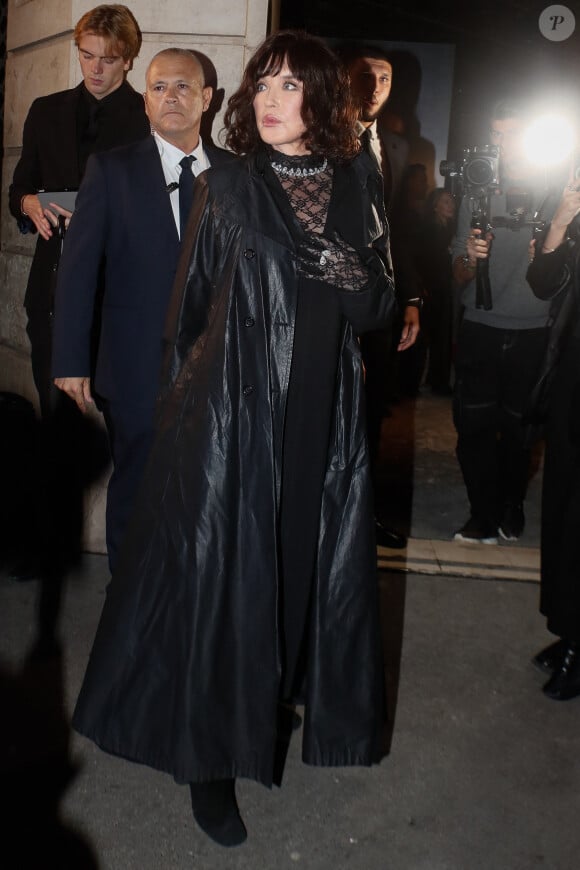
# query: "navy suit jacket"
(123, 223)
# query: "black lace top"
(307, 181)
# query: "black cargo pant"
(495, 370)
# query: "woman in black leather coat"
(555, 274)
(248, 576)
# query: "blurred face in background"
(370, 83)
(507, 134)
(445, 208)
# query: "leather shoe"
(565, 681)
(550, 658)
(388, 538)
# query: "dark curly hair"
(328, 112)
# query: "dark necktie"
(365, 140)
(185, 191)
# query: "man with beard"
(371, 77)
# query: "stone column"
(42, 59)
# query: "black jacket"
(556, 277)
(50, 161)
(185, 670)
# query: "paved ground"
(483, 772)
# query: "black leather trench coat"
(185, 671)
(556, 276)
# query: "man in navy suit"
(128, 214)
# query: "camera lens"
(479, 172)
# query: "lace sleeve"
(332, 260)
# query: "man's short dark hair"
(175, 51)
(348, 52)
(508, 108)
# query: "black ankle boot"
(215, 810)
(565, 681)
(550, 658)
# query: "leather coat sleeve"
(549, 273)
(373, 306)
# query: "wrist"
(22, 211)
(553, 240)
(468, 263)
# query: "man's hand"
(54, 210)
(477, 246)
(79, 390)
(568, 208)
(410, 329)
(30, 205)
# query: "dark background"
(499, 50)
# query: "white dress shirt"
(170, 159)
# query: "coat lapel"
(284, 226)
(347, 212)
(149, 181)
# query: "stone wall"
(41, 58)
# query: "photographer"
(500, 346)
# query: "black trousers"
(495, 370)
(130, 428)
(379, 358)
(560, 575)
(438, 320)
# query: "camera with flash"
(475, 174)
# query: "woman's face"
(445, 207)
(278, 111)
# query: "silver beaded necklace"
(298, 171)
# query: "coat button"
(249, 253)
(247, 389)
(249, 321)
